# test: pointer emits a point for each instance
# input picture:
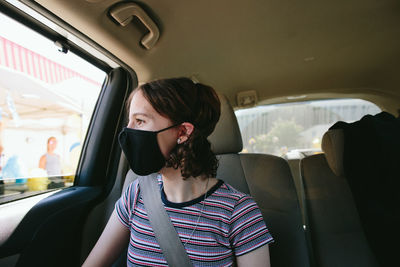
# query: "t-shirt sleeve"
(124, 205)
(248, 230)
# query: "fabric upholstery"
(268, 179)
(336, 232)
(371, 167)
(333, 146)
(226, 137)
(231, 171)
(271, 184)
(294, 165)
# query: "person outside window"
(51, 161)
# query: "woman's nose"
(130, 124)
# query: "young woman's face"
(142, 116)
(52, 144)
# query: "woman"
(51, 161)
(217, 224)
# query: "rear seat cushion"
(231, 171)
(268, 179)
(226, 137)
(371, 167)
(336, 233)
(333, 145)
(271, 184)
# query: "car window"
(46, 101)
(295, 130)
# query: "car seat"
(370, 165)
(268, 180)
(335, 229)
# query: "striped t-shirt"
(230, 225)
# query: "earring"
(179, 140)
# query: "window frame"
(28, 230)
(83, 176)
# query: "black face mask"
(141, 150)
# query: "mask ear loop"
(179, 140)
(162, 130)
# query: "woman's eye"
(139, 122)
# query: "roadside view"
(295, 130)
(47, 98)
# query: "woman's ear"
(185, 130)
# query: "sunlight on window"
(46, 101)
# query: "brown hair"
(181, 100)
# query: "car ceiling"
(277, 47)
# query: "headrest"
(333, 146)
(226, 137)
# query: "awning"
(42, 93)
(19, 58)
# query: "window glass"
(46, 101)
(295, 130)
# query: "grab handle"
(123, 14)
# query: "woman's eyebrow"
(142, 114)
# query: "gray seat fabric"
(294, 165)
(268, 180)
(334, 225)
(272, 186)
(370, 160)
(333, 147)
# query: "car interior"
(329, 198)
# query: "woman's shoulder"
(242, 206)
(227, 191)
(133, 188)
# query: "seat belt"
(166, 235)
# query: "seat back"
(334, 226)
(271, 184)
(268, 180)
(371, 166)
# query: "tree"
(283, 134)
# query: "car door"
(48, 97)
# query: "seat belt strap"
(166, 235)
